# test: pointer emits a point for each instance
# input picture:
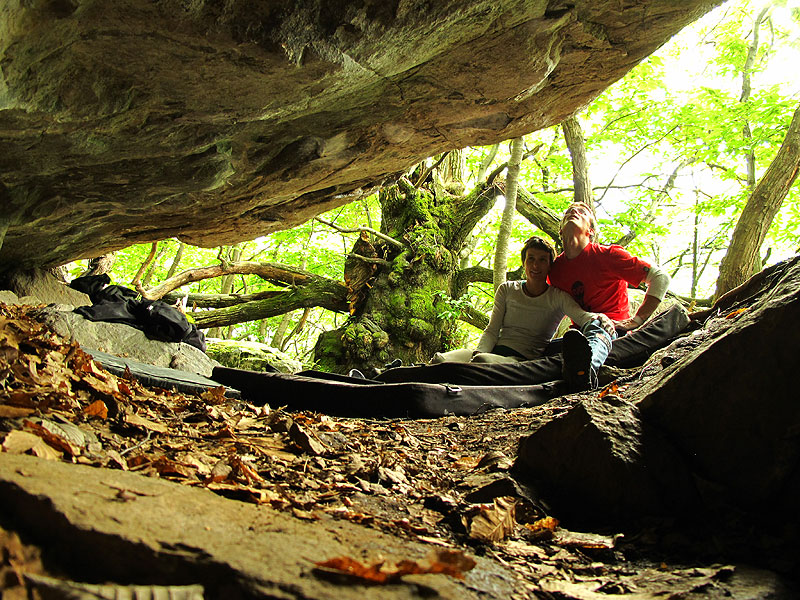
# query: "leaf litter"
(409, 478)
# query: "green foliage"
(448, 308)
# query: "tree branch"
(539, 215)
(427, 170)
(630, 158)
(218, 300)
(374, 232)
(474, 317)
(316, 292)
(273, 272)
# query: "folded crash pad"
(342, 396)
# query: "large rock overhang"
(216, 122)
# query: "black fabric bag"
(116, 304)
(350, 397)
(160, 321)
(98, 290)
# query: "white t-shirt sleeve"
(657, 281)
(572, 309)
(492, 331)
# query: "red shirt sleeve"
(628, 267)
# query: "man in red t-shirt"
(598, 277)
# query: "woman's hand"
(606, 323)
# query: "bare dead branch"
(374, 232)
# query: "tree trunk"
(280, 331)
(759, 211)
(318, 291)
(153, 264)
(752, 53)
(573, 134)
(176, 260)
(402, 315)
(225, 287)
(100, 264)
(510, 209)
(539, 215)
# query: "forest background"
(673, 151)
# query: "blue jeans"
(599, 341)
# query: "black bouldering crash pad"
(161, 377)
(446, 389)
(460, 389)
(354, 397)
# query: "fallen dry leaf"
(13, 412)
(22, 442)
(97, 408)
(611, 388)
(448, 562)
(575, 539)
(137, 421)
(547, 523)
(53, 439)
(165, 466)
(493, 522)
(306, 442)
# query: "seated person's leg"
(599, 342)
(554, 347)
(585, 352)
(499, 354)
(488, 357)
(540, 370)
(460, 355)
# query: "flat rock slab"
(221, 122)
(102, 525)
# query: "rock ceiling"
(216, 122)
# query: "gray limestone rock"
(219, 122)
(39, 287)
(113, 526)
(126, 341)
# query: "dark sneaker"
(577, 362)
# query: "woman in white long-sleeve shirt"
(526, 313)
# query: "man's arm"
(657, 282)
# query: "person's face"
(578, 216)
(537, 264)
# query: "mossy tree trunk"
(405, 313)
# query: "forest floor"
(441, 482)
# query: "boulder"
(125, 341)
(221, 122)
(599, 461)
(114, 526)
(713, 431)
(121, 340)
(252, 356)
(730, 406)
(40, 287)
